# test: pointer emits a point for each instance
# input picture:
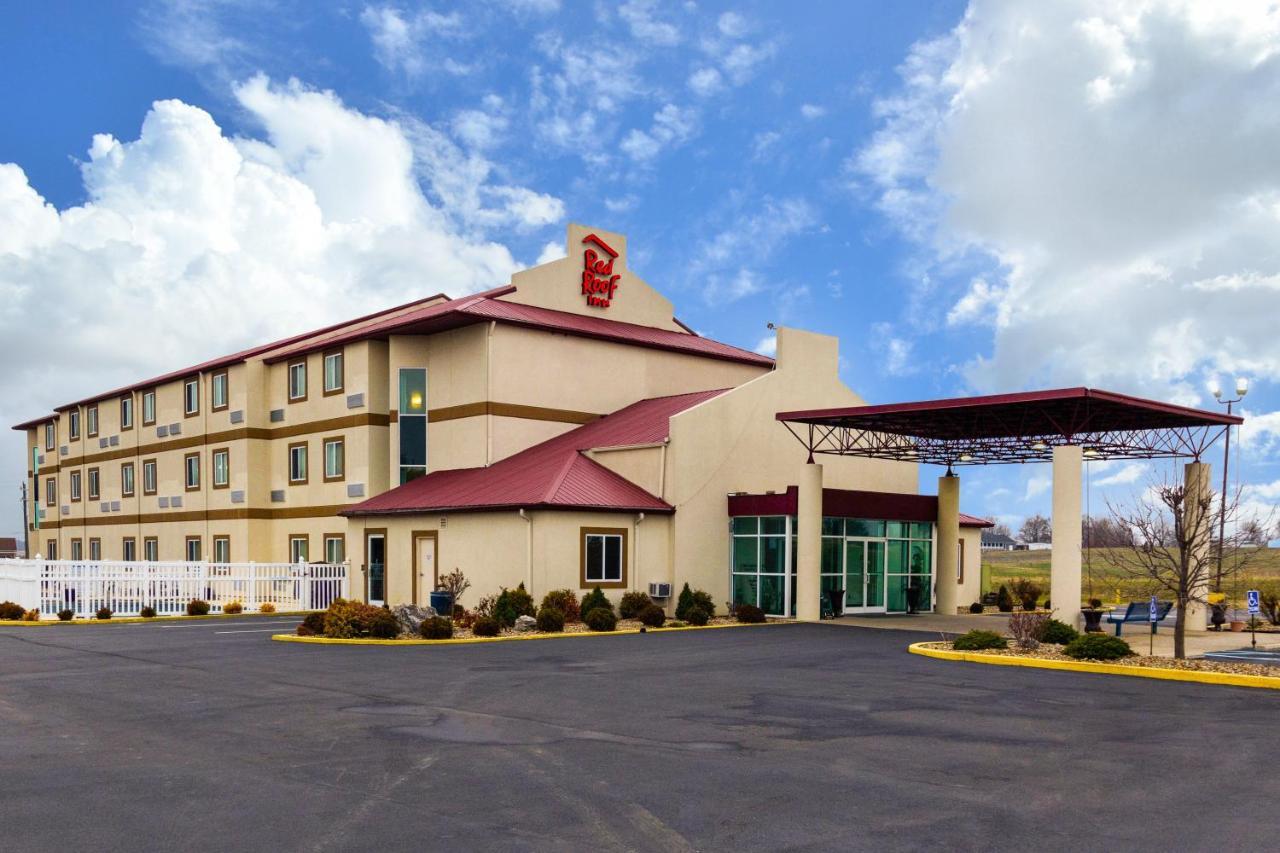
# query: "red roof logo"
(599, 283)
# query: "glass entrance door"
(376, 550)
(864, 575)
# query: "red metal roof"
(851, 503)
(554, 474)
(482, 308)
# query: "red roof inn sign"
(599, 282)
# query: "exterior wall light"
(1039, 446)
(966, 457)
(415, 400)
(1090, 451)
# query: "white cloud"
(671, 127)
(979, 305)
(1111, 169)
(1037, 484)
(403, 43)
(768, 346)
(812, 111)
(645, 25)
(732, 25)
(322, 217)
(1260, 433)
(898, 354)
(1126, 474)
(706, 82)
(552, 251)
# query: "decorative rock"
(525, 624)
(410, 616)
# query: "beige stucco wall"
(971, 590)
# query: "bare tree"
(1172, 546)
(1103, 532)
(1002, 530)
(1036, 529)
(1253, 532)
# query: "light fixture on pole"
(1242, 388)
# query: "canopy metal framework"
(1011, 428)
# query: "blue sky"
(974, 197)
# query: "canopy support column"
(1197, 513)
(809, 544)
(947, 582)
(1064, 559)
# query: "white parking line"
(251, 631)
(224, 624)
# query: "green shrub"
(564, 600)
(976, 607)
(1027, 592)
(9, 610)
(383, 624)
(147, 612)
(1097, 647)
(977, 640)
(601, 619)
(1095, 603)
(550, 620)
(690, 599)
(436, 628)
(592, 600)
(485, 626)
(197, 607)
(676, 623)
(632, 604)
(749, 613)
(312, 625)
(1004, 601)
(103, 613)
(1058, 632)
(653, 616)
(697, 616)
(511, 605)
(347, 619)
(67, 614)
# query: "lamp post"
(1242, 388)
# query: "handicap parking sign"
(1253, 599)
(1153, 613)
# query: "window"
(299, 546)
(51, 549)
(126, 479)
(334, 459)
(77, 550)
(297, 381)
(412, 421)
(129, 549)
(333, 378)
(50, 491)
(95, 490)
(50, 436)
(191, 464)
(191, 396)
(221, 464)
(151, 549)
(75, 486)
(193, 549)
(218, 391)
(759, 566)
(149, 479)
(222, 549)
(604, 557)
(298, 463)
(960, 562)
(91, 421)
(73, 424)
(95, 549)
(148, 408)
(335, 547)
(126, 413)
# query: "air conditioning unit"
(659, 590)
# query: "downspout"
(635, 551)
(488, 395)
(662, 469)
(528, 551)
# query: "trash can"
(442, 602)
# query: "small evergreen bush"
(697, 616)
(976, 607)
(511, 605)
(147, 612)
(1004, 601)
(232, 608)
(633, 604)
(383, 624)
(690, 599)
(653, 616)
(11, 611)
(1027, 592)
(592, 600)
(749, 613)
(312, 625)
(976, 641)
(1097, 647)
(436, 628)
(66, 614)
(197, 607)
(485, 626)
(103, 613)
(564, 600)
(601, 619)
(550, 620)
(1056, 631)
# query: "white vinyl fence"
(85, 586)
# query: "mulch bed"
(460, 633)
(1052, 651)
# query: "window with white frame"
(95, 486)
(50, 436)
(77, 549)
(95, 549)
(126, 480)
(126, 412)
(75, 485)
(91, 421)
(332, 372)
(222, 549)
(192, 464)
(148, 408)
(129, 549)
(151, 549)
(603, 557)
(191, 396)
(298, 463)
(73, 424)
(221, 468)
(218, 391)
(299, 549)
(335, 548)
(149, 477)
(297, 381)
(193, 549)
(334, 459)
(50, 491)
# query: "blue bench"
(1139, 611)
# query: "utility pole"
(1242, 388)
(26, 530)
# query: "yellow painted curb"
(128, 620)
(366, 641)
(1229, 679)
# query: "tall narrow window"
(91, 421)
(297, 381)
(333, 379)
(126, 479)
(193, 549)
(95, 549)
(75, 486)
(221, 463)
(50, 491)
(77, 550)
(334, 459)
(151, 549)
(129, 549)
(335, 547)
(148, 408)
(192, 464)
(51, 549)
(191, 396)
(126, 413)
(73, 424)
(222, 549)
(299, 548)
(95, 490)
(50, 436)
(412, 421)
(149, 477)
(218, 397)
(298, 463)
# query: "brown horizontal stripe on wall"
(238, 514)
(510, 410)
(51, 469)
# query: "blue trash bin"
(442, 602)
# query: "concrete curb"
(1227, 679)
(132, 620)
(365, 641)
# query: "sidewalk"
(1136, 633)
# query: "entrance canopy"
(1005, 428)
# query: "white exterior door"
(426, 581)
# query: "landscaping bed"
(1053, 651)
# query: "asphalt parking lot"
(207, 736)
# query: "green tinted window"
(772, 556)
(413, 391)
(921, 530)
(831, 551)
(896, 529)
(748, 524)
(864, 527)
(920, 558)
(774, 524)
(745, 556)
(897, 558)
(833, 526)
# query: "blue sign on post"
(1153, 609)
(1254, 600)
